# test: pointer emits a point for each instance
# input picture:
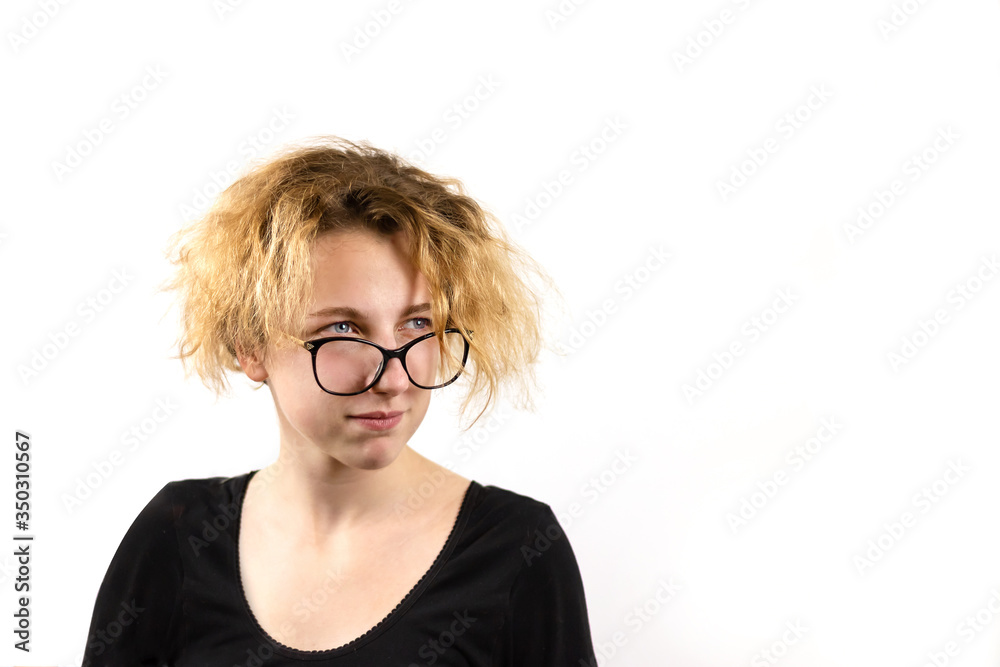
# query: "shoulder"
(202, 493)
(186, 515)
(173, 497)
(205, 487)
(199, 497)
(546, 619)
(529, 522)
(507, 503)
(185, 500)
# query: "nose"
(394, 379)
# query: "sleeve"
(137, 609)
(548, 609)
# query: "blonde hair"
(244, 271)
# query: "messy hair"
(244, 272)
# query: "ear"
(252, 364)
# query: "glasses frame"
(387, 355)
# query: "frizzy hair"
(244, 273)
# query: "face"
(371, 274)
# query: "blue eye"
(335, 327)
(335, 330)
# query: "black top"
(504, 590)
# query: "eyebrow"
(355, 314)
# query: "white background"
(674, 130)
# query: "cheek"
(315, 413)
(301, 399)
(418, 408)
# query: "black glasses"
(346, 366)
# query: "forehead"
(369, 272)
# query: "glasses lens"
(346, 366)
(349, 366)
(428, 368)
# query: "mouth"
(378, 421)
(378, 415)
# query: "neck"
(314, 495)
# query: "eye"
(336, 330)
(425, 320)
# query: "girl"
(353, 285)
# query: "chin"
(375, 454)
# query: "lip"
(378, 421)
(378, 415)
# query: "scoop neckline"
(380, 627)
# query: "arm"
(136, 613)
(548, 609)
